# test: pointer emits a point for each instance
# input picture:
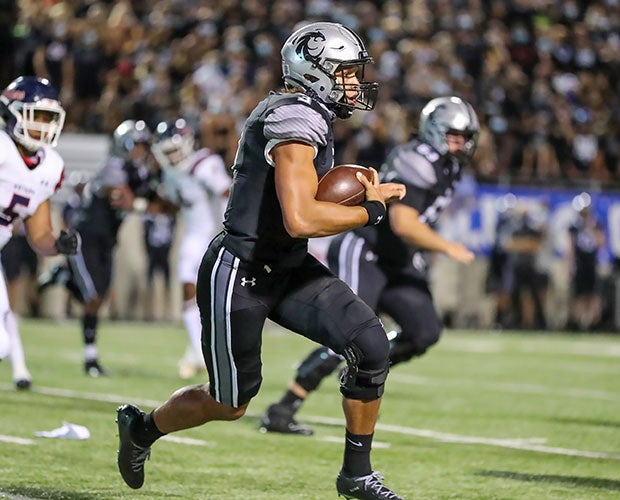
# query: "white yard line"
(16, 440)
(526, 444)
(506, 387)
(90, 396)
(495, 345)
(16, 497)
(188, 441)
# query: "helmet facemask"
(173, 144)
(172, 153)
(29, 130)
(366, 92)
(315, 58)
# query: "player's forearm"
(43, 244)
(422, 236)
(324, 219)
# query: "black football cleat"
(23, 384)
(131, 457)
(279, 418)
(92, 368)
(368, 487)
(22, 379)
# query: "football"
(340, 185)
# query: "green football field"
(482, 416)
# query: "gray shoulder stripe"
(413, 168)
(296, 121)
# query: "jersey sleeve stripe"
(296, 121)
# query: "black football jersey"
(430, 179)
(253, 225)
(96, 215)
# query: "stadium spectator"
(587, 238)
(386, 265)
(500, 276)
(524, 64)
(259, 266)
(524, 248)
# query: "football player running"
(124, 183)
(30, 173)
(385, 264)
(259, 266)
(198, 183)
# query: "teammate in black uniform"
(123, 184)
(259, 266)
(385, 264)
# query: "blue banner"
(473, 216)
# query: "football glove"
(68, 242)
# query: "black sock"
(357, 454)
(291, 400)
(89, 328)
(145, 432)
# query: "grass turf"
(482, 415)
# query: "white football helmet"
(21, 105)
(449, 114)
(313, 54)
(173, 144)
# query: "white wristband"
(140, 204)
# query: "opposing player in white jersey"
(30, 173)
(198, 183)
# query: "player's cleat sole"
(131, 457)
(279, 418)
(368, 487)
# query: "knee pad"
(367, 366)
(319, 364)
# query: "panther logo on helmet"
(314, 57)
(307, 49)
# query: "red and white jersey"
(200, 190)
(23, 189)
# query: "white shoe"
(191, 364)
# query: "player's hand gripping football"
(68, 242)
(385, 193)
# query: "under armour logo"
(245, 281)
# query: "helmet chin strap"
(342, 112)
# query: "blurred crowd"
(544, 75)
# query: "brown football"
(340, 185)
